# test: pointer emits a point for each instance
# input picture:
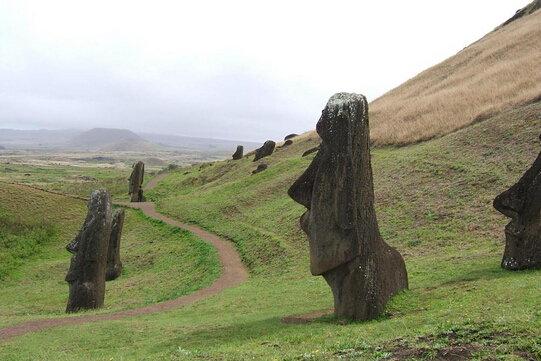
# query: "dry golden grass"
(499, 71)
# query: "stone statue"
(114, 265)
(346, 247)
(522, 203)
(266, 149)
(136, 182)
(238, 153)
(86, 275)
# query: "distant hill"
(35, 139)
(497, 72)
(110, 139)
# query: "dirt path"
(233, 273)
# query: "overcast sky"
(242, 70)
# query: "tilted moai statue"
(114, 265)
(522, 203)
(265, 150)
(86, 275)
(136, 182)
(346, 247)
(238, 153)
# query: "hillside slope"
(500, 70)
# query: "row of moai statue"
(346, 247)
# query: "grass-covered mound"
(35, 228)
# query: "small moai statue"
(522, 203)
(238, 153)
(346, 247)
(265, 150)
(114, 265)
(136, 182)
(88, 265)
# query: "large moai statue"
(114, 265)
(86, 275)
(136, 182)
(522, 203)
(346, 247)
(266, 149)
(238, 153)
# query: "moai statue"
(266, 149)
(238, 153)
(522, 203)
(86, 275)
(346, 247)
(136, 182)
(114, 265)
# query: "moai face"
(522, 203)
(337, 180)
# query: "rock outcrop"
(346, 247)
(265, 150)
(522, 203)
(136, 182)
(114, 265)
(238, 153)
(88, 266)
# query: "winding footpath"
(233, 273)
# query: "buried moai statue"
(136, 182)
(114, 265)
(522, 203)
(238, 153)
(265, 150)
(346, 247)
(88, 266)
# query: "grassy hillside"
(36, 226)
(433, 203)
(499, 71)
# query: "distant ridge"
(110, 139)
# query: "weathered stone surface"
(238, 153)
(287, 142)
(136, 182)
(290, 136)
(265, 150)
(114, 265)
(260, 168)
(522, 203)
(346, 247)
(86, 275)
(310, 151)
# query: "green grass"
(34, 287)
(73, 180)
(434, 203)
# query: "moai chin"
(346, 247)
(136, 182)
(114, 265)
(522, 203)
(86, 275)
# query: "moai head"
(522, 203)
(336, 182)
(346, 247)
(86, 275)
